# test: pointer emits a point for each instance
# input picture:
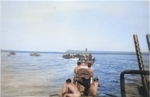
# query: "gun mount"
(143, 90)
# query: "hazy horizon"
(68, 51)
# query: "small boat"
(34, 54)
(68, 56)
(86, 58)
(11, 53)
(87, 61)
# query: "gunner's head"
(78, 63)
(95, 79)
(68, 80)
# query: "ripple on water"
(45, 75)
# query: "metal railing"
(122, 80)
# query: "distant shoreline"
(82, 52)
(30, 51)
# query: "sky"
(73, 25)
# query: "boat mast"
(86, 51)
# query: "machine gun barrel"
(140, 62)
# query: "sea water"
(43, 76)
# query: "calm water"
(25, 75)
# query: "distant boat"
(68, 56)
(11, 53)
(86, 58)
(34, 54)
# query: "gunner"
(93, 87)
(70, 90)
(83, 74)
